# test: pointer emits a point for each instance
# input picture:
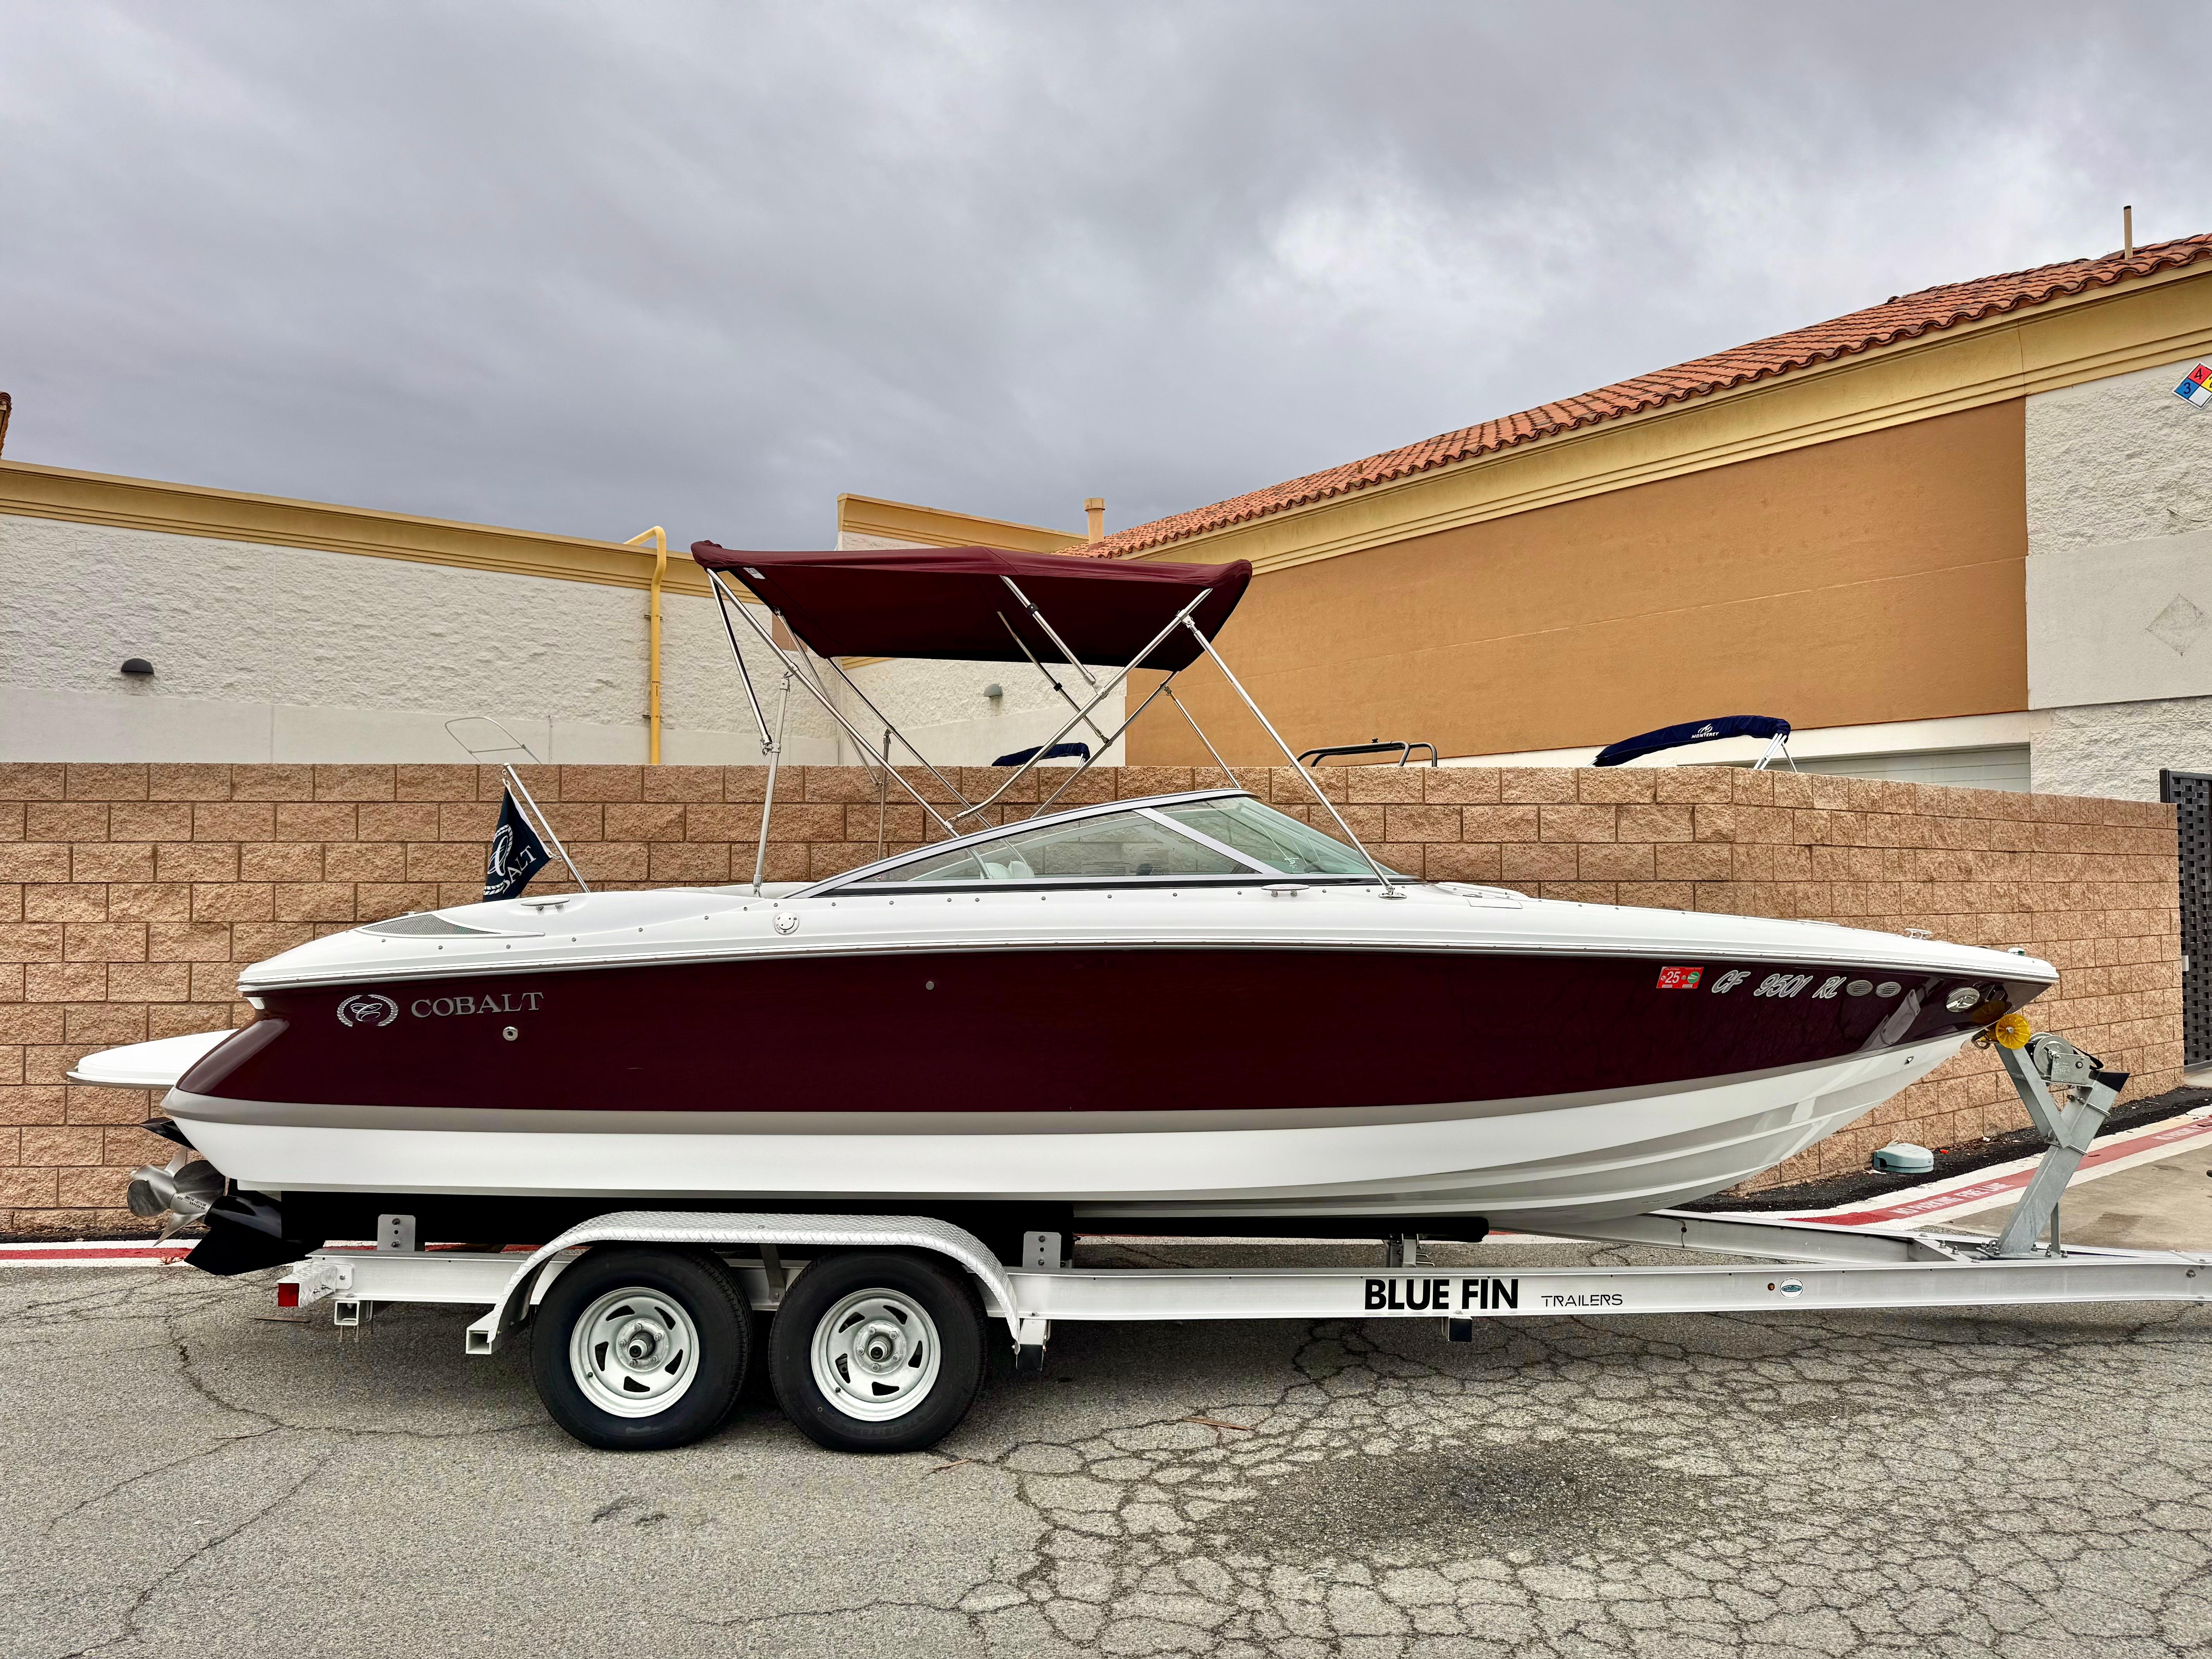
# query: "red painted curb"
(1996, 1186)
(93, 1254)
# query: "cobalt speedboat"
(1193, 1013)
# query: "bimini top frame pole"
(835, 667)
(945, 603)
(1053, 680)
(1061, 645)
(1069, 782)
(1390, 888)
(730, 602)
(1183, 618)
(804, 668)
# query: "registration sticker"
(1680, 979)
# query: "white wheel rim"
(633, 1352)
(875, 1355)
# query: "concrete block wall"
(130, 895)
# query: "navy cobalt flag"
(517, 854)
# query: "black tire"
(630, 1294)
(925, 1387)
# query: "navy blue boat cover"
(1689, 732)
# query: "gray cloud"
(588, 268)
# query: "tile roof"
(1903, 318)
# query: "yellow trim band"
(53, 492)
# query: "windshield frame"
(869, 877)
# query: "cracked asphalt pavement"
(188, 1474)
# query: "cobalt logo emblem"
(367, 1009)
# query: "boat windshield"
(1225, 837)
(1274, 839)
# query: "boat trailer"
(859, 1347)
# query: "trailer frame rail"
(1803, 1265)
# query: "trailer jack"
(2045, 1063)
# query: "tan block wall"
(130, 895)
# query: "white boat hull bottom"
(1543, 1165)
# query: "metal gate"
(2192, 795)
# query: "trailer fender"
(708, 1230)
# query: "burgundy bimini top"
(952, 602)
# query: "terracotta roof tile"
(1903, 318)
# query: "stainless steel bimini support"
(1052, 634)
(819, 690)
(1235, 782)
(884, 794)
(1053, 680)
(798, 658)
(927, 765)
(768, 744)
(1777, 744)
(1069, 781)
(1182, 619)
(1390, 888)
(729, 601)
(767, 799)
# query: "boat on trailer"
(1193, 1008)
(1183, 1009)
(1191, 1013)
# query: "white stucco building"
(292, 631)
(2119, 583)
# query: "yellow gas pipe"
(652, 634)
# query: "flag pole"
(543, 823)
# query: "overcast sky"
(586, 268)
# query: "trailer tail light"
(288, 1296)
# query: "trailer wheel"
(877, 1352)
(641, 1350)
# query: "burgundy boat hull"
(1015, 1032)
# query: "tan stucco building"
(1961, 537)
